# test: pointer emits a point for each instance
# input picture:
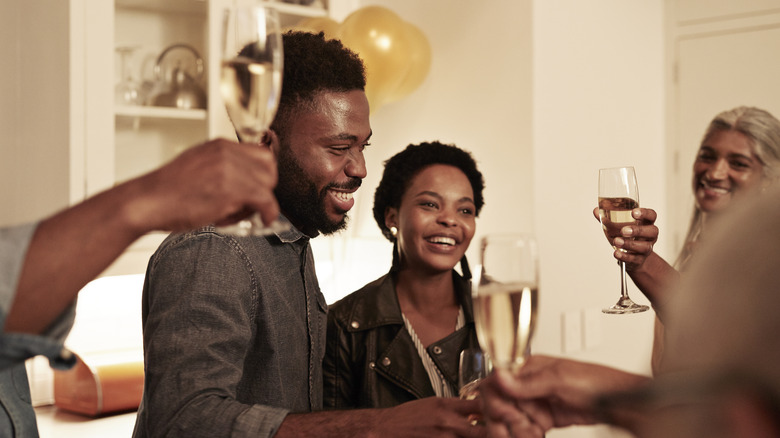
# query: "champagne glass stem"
(623, 280)
(625, 304)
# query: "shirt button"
(355, 324)
(437, 350)
(386, 361)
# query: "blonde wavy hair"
(762, 130)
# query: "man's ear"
(271, 141)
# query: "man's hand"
(432, 416)
(425, 418)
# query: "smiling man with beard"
(311, 207)
(234, 327)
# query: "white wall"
(598, 102)
(28, 82)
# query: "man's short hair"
(313, 65)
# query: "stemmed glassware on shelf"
(618, 196)
(505, 298)
(251, 84)
(127, 90)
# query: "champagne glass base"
(625, 305)
(253, 226)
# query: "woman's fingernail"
(618, 242)
(627, 231)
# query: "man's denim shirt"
(234, 335)
(17, 417)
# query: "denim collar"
(291, 234)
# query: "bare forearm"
(68, 250)
(205, 184)
(432, 416)
(655, 278)
(331, 424)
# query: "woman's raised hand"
(636, 243)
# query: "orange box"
(101, 383)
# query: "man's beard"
(299, 200)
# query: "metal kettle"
(178, 73)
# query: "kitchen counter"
(56, 423)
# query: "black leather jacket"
(370, 359)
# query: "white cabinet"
(145, 136)
(64, 136)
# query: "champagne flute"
(473, 367)
(506, 298)
(251, 85)
(618, 196)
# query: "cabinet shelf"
(200, 7)
(297, 10)
(163, 6)
(157, 112)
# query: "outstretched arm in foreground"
(428, 417)
(551, 392)
(214, 182)
(649, 271)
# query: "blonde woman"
(739, 154)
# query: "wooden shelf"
(158, 112)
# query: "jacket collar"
(371, 310)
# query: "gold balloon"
(319, 24)
(378, 35)
(419, 58)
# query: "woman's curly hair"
(402, 167)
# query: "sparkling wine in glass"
(618, 196)
(251, 84)
(505, 298)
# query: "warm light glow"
(257, 68)
(384, 42)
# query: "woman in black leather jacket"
(399, 337)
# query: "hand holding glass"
(505, 298)
(618, 196)
(251, 84)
